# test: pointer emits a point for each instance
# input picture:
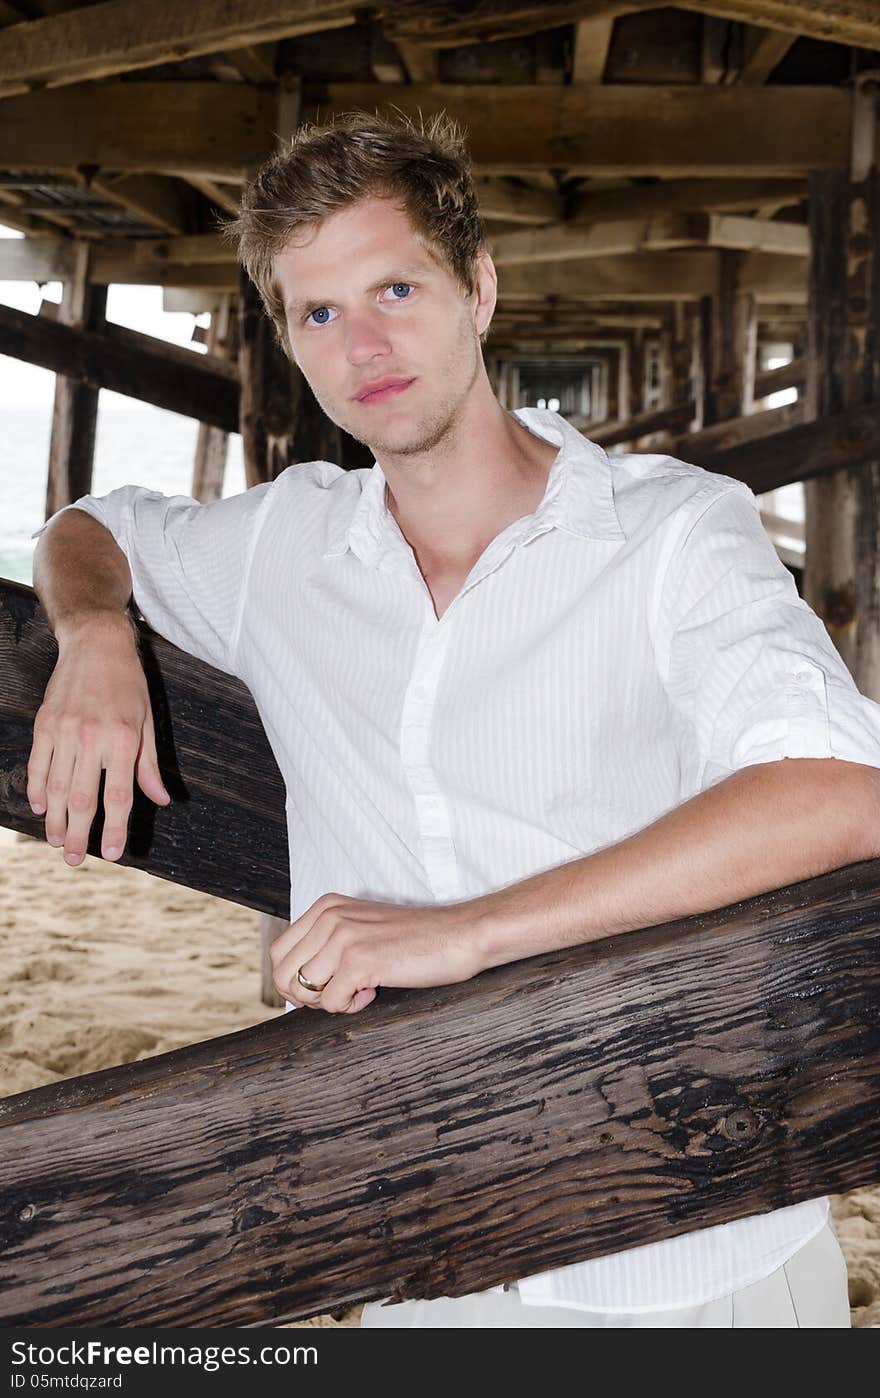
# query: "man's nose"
(366, 337)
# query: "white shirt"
(631, 643)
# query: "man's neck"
(450, 505)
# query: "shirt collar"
(579, 496)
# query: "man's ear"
(485, 292)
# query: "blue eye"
(401, 286)
(319, 311)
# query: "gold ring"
(309, 985)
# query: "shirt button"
(803, 677)
(420, 691)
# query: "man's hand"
(95, 715)
(350, 946)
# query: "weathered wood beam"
(127, 362)
(856, 22)
(731, 391)
(668, 196)
(47, 259)
(191, 302)
(773, 276)
(75, 404)
(420, 63)
(267, 413)
(214, 278)
(664, 420)
(224, 197)
(11, 217)
(165, 202)
(792, 375)
(221, 130)
(385, 60)
(842, 565)
(681, 349)
(561, 242)
(592, 40)
(795, 453)
(567, 318)
(618, 129)
(46, 224)
(656, 276)
(764, 50)
(212, 443)
(743, 1078)
(439, 24)
(584, 1102)
(218, 130)
(205, 249)
(764, 428)
(98, 40)
(255, 62)
(756, 235)
(506, 199)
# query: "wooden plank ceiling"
(620, 147)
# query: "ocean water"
(137, 446)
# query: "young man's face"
(366, 302)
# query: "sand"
(106, 965)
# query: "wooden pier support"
(842, 561)
(75, 408)
(728, 344)
(212, 443)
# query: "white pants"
(808, 1291)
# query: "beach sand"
(106, 965)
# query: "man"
(522, 695)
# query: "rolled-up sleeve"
(748, 665)
(189, 561)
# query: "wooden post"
(623, 412)
(612, 358)
(667, 348)
(637, 373)
(75, 409)
(842, 563)
(679, 376)
(267, 390)
(703, 362)
(729, 344)
(212, 443)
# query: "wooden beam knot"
(740, 1126)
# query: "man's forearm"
(81, 576)
(766, 826)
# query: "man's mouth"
(382, 389)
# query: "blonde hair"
(424, 167)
